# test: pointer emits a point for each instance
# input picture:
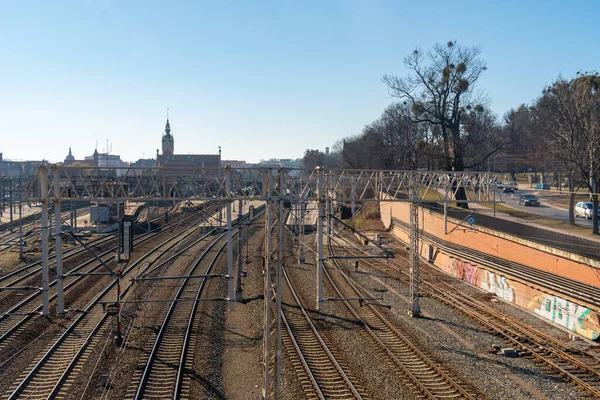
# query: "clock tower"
(168, 143)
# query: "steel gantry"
(274, 186)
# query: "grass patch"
(10, 261)
(368, 218)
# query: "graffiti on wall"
(483, 279)
(499, 285)
(565, 313)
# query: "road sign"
(471, 219)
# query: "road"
(512, 200)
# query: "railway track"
(569, 362)
(163, 373)
(420, 372)
(51, 374)
(9, 239)
(19, 275)
(21, 315)
(322, 375)
(29, 273)
(579, 292)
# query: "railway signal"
(125, 240)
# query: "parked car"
(529, 200)
(542, 186)
(584, 209)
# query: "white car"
(583, 209)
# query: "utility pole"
(280, 224)
(353, 196)
(320, 200)
(71, 217)
(327, 218)
(3, 199)
(247, 231)
(238, 288)
(272, 327)
(414, 307)
(58, 239)
(43, 180)
(10, 193)
(148, 217)
(229, 239)
(445, 218)
(331, 219)
(278, 272)
(495, 187)
(21, 227)
(50, 220)
(300, 218)
(267, 288)
(74, 217)
(302, 207)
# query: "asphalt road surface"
(512, 200)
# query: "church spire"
(168, 128)
(70, 157)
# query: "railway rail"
(570, 362)
(162, 376)
(10, 239)
(19, 275)
(50, 375)
(579, 292)
(418, 369)
(16, 319)
(323, 376)
(26, 274)
(161, 372)
(28, 271)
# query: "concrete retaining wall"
(563, 312)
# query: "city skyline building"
(171, 159)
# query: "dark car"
(529, 200)
(508, 189)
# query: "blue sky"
(261, 79)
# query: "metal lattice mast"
(320, 221)
(230, 281)
(277, 289)
(238, 284)
(272, 328)
(267, 287)
(60, 302)
(43, 182)
(414, 307)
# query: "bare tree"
(523, 150)
(568, 115)
(391, 142)
(440, 90)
